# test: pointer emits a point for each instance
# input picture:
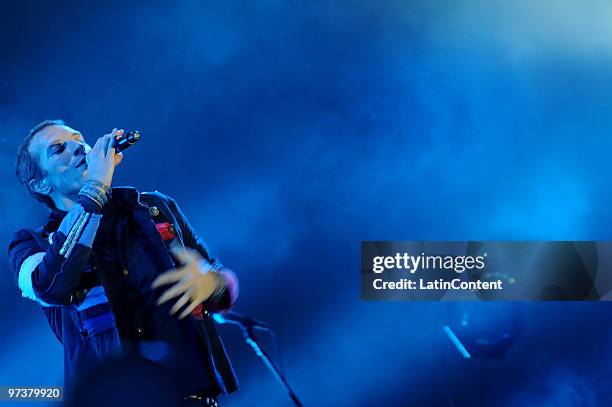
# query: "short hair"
(28, 168)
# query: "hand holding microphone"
(106, 154)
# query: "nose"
(78, 148)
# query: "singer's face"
(60, 151)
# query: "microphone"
(126, 140)
(242, 320)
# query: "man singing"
(103, 267)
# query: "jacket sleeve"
(191, 239)
(51, 277)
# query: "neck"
(64, 203)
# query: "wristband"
(94, 194)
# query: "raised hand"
(102, 159)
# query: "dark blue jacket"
(97, 296)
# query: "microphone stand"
(249, 337)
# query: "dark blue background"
(290, 130)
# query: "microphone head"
(126, 140)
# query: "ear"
(41, 186)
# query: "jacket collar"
(53, 220)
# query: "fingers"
(101, 145)
(109, 150)
(97, 148)
(106, 143)
(118, 158)
(189, 309)
(192, 284)
(168, 277)
(180, 303)
(173, 291)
